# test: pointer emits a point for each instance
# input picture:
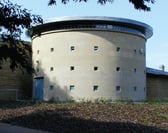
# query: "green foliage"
(102, 101)
(13, 19)
(54, 100)
(89, 101)
(164, 116)
(138, 4)
(54, 2)
(157, 100)
(71, 100)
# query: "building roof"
(156, 72)
(118, 24)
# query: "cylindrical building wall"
(102, 59)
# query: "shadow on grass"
(15, 104)
(62, 121)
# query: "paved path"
(7, 128)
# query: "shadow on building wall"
(52, 90)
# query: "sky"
(156, 46)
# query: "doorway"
(39, 88)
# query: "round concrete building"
(87, 58)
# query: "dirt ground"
(87, 117)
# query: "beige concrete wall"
(157, 86)
(130, 59)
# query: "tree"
(13, 19)
(138, 4)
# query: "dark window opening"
(52, 49)
(51, 68)
(72, 68)
(72, 87)
(118, 88)
(72, 48)
(96, 48)
(95, 88)
(118, 49)
(95, 68)
(117, 68)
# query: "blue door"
(39, 86)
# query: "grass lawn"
(87, 117)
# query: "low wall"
(14, 85)
(157, 86)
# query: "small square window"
(37, 69)
(72, 48)
(95, 68)
(72, 68)
(51, 87)
(52, 49)
(38, 51)
(71, 87)
(95, 88)
(37, 61)
(118, 88)
(96, 48)
(117, 68)
(118, 49)
(51, 68)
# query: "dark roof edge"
(147, 30)
(156, 72)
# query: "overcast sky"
(157, 45)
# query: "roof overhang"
(134, 25)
